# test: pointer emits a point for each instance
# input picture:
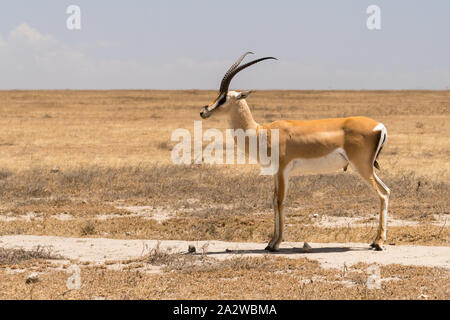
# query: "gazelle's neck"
(241, 117)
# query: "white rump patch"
(382, 128)
(379, 127)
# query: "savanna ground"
(96, 164)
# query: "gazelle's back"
(314, 139)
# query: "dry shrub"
(88, 229)
(16, 256)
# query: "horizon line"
(192, 89)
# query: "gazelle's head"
(225, 97)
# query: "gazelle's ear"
(243, 94)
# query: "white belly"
(332, 162)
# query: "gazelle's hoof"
(271, 249)
(376, 247)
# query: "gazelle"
(316, 146)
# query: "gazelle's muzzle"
(205, 113)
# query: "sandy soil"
(330, 255)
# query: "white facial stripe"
(211, 108)
(216, 104)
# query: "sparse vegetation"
(72, 161)
(88, 229)
(239, 278)
(17, 256)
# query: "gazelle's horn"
(224, 84)
(234, 70)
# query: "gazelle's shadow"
(285, 251)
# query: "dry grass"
(84, 155)
(240, 278)
(88, 229)
(239, 208)
(72, 129)
(17, 256)
(238, 229)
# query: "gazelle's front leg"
(280, 191)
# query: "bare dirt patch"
(330, 255)
(245, 274)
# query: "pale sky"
(139, 44)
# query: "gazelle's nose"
(204, 113)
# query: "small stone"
(32, 278)
(315, 215)
(191, 249)
(306, 247)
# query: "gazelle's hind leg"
(383, 192)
